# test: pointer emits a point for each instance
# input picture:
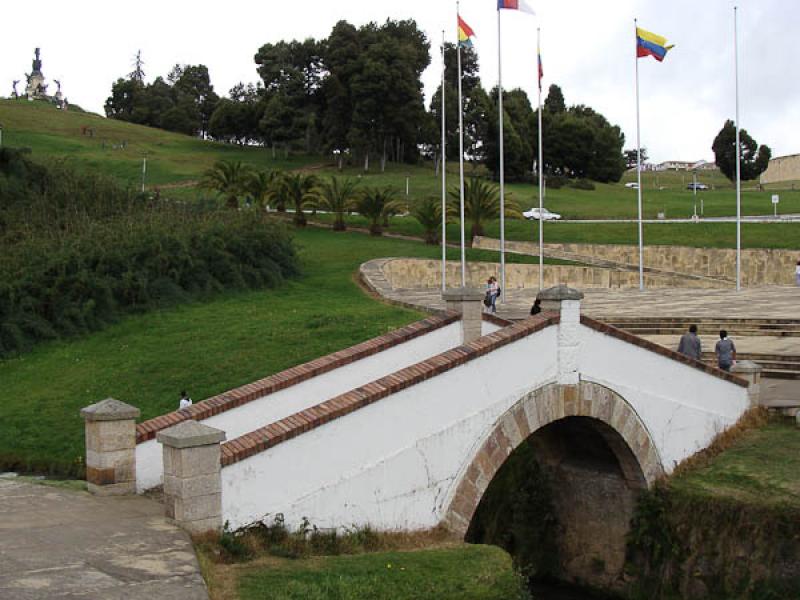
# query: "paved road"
(59, 544)
(748, 219)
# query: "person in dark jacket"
(537, 307)
(690, 344)
(725, 351)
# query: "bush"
(582, 184)
(556, 182)
(80, 252)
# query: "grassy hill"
(117, 148)
(175, 162)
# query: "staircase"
(734, 327)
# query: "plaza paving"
(63, 544)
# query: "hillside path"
(61, 544)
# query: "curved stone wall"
(413, 273)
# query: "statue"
(36, 88)
(37, 63)
(14, 94)
(58, 83)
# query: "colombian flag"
(465, 33)
(519, 5)
(651, 44)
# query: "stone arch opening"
(556, 482)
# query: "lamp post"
(694, 190)
(1, 135)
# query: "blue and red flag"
(520, 5)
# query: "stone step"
(733, 332)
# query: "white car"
(545, 216)
(632, 185)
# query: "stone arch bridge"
(407, 431)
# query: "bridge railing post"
(193, 476)
(468, 302)
(751, 371)
(567, 302)
(110, 429)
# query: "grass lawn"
(707, 235)
(762, 467)
(177, 161)
(171, 157)
(461, 572)
(204, 347)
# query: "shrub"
(582, 184)
(80, 252)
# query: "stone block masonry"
(110, 429)
(192, 484)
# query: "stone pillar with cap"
(110, 429)
(468, 302)
(567, 303)
(751, 371)
(192, 476)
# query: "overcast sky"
(587, 48)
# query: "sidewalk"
(59, 544)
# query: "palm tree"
(338, 196)
(428, 212)
(300, 191)
(229, 179)
(481, 204)
(375, 204)
(261, 186)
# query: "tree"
(754, 158)
(428, 213)
(555, 102)
(300, 191)
(338, 196)
(229, 179)
(375, 204)
(260, 186)
(481, 204)
(631, 157)
(138, 68)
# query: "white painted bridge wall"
(682, 407)
(392, 463)
(273, 407)
(396, 463)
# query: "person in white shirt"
(184, 401)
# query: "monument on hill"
(36, 88)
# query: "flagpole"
(639, 164)
(738, 158)
(444, 173)
(541, 161)
(502, 167)
(461, 162)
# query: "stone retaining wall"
(782, 168)
(759, 266)
(412, 273)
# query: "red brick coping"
(294, 425)
(247, 393)
(653, 347)
(495, 320)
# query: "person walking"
(690, 345)
(185, 401)
(725, 351)
(797, 273)
(492, 290)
